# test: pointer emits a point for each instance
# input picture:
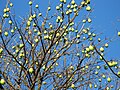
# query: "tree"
(58, 51)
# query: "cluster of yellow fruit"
(63, 1)
(112, 63)
(6, 10)
(87, 50)
(85, 3)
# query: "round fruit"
(57, 8)
(98, 67)
(100, 80)
(49, 8)
(61, 0)
(10, 22)
(2, 81)
(91, 47)
(11, 4)
(34, 15)
(64, 1)
(118, 33)
(40, 14)
(36, 40)
(6, 33)
(36, 6)
(103, 76)
(102, 49)
(72, 86)
(31, 70)
(30, 2)
(109, 79)
(118, 73)
(95, 86)
(1, 50)
(78, 36)
(83, 2)
(90, 85)
(87, 49)
(84, 21)
(12, 31)
(88, 8)
(5, 10)
(68, 6)
(44, 83)
(28, 23)
(106, 45)
(78, 54)
(86, 66)
(89, 20)
(8, 9)
(73, 2)
(21, 45)
(96, 72)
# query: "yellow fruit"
(118, 73)
(21, 45)
(49, 8)
(95, 86)
(78, 54)
(102, 49)
(31, 70)
(36, 40)
(61, 0)
(2, 81)
(118, 33)
(6, 33)
(11, 4)
(1, 50)
(40, 14)
(98, 67)
(109, 79)
(90, 85)
(87, 49)
(84, 21)
(28, 23)
(91, 47)
(12, 31)
(106, 45)
(57, 8)
(83, 2)
(44, 83)
(72, 2)
(36, 6)
(88, 8)
(30, 18)
(10, 22)
(103, 76)
(30, 2)
(34, 16)
(72, 86)
(68, 6)
(96, 72)
(89, 20)
(64, 1)
(7, 9)
(34, 25)
(86, 66)
(87, 1)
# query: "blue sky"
(105, 16)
